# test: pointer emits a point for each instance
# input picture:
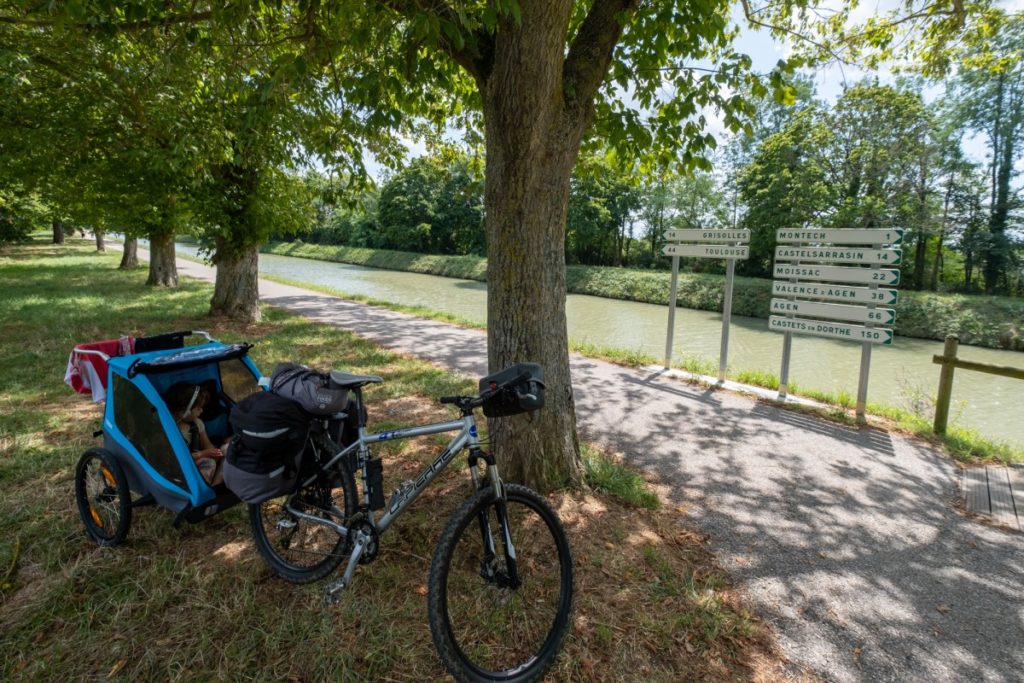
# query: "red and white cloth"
(87, 372)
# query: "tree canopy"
(539, 79)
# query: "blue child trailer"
(145, 459)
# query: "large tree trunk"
(100, 245)
(532, 145)
(130, 254)
(236, 292)
(163, 269)
(58, 232)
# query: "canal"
(902, 375)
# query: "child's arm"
(204, 440)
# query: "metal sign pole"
(787, 352)
(787, 347)
(723, 355)
(672, 312)
(865, 360)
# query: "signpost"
(814, 290)
(881, 276)
(727, 244)
(805, 302)
(706, 250)
(824, 328)
(878, 316)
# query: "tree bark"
(531, 150)
(236, 292)
(163, 269)
(100, 245)
(537, 101)
(130, 254)
(58, 232)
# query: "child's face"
(197, 408)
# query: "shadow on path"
(844, 538)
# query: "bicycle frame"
(466, 439)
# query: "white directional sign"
(708, 235)
(882, 276)
(890, 257)
(818, 290)
(823, 328)
(857, 314)
(706, 250)
(894, 236)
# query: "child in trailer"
(186, 402)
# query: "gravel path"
(844, 539)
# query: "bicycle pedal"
(333, 592)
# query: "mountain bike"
(500, 587)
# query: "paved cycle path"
(844, 539)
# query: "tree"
(408, 205)
(543, 75)
(20, 215)
(96, 125)
(602, 204)
(784, 186)
(989, 94)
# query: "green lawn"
(196, 603)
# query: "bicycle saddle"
(347, 380)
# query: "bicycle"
(499, 608)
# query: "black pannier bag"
(266, 450)
(311, 389)
(522, 398)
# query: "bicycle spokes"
(506, 603)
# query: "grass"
(196, 603)
(606, 475)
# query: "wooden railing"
(949, 363)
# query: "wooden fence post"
(945, 384)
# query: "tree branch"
(591, 50)
(191, 18)
(477, 62)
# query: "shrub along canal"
(902, 375)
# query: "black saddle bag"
(266, 450)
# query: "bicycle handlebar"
(470, 402)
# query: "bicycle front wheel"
(500, 613)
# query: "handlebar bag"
(311, 389)
(266, 450)
(522, 397)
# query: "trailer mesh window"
(137, 419)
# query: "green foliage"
(433, 207)
(602, 202)
(21, 214)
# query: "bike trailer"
(143, 452)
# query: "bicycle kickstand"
(333, 590)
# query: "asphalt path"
(845, 540)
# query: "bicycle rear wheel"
(496, 615)
(300, 550)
